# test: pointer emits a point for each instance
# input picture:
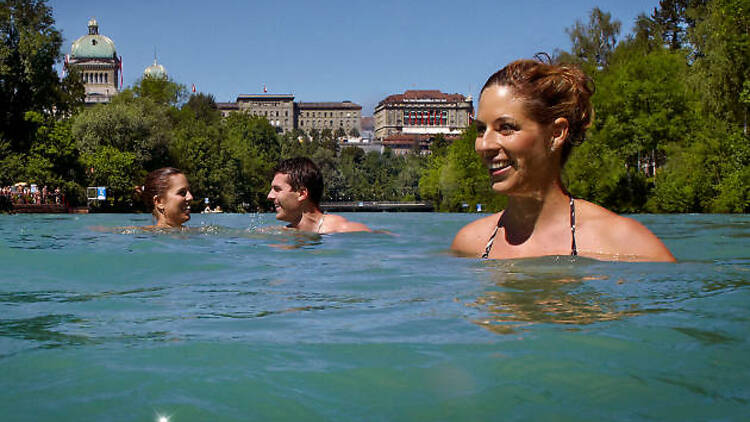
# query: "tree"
(594, 42)
(439, 145)
(134, 125)
(459, 177)
(114, 169)
(29, 48)
(722, 65)
(672, 21)
(161, 91)
(203, 107)
(53, 156)
(254, 145)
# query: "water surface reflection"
(551, 290)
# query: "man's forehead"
(280, 178)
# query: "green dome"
(155, 71)
(93, 45)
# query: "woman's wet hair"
(156, 184)
(551, 91)
(303, 173)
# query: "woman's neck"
(527, 213)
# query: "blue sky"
(352, 50)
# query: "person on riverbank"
(167, 196)
(296, 190)
(530, 116)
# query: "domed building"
(95, 57)
(155, 71)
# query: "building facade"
(277, 108)
(94, 56)
(329, 115)
(286, 115)
(422, 112)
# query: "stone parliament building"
(285, 114)
(95, 58)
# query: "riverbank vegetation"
(670, 132)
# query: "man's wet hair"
(303, 173)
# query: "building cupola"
(93, 27)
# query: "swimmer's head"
(302, 173)
(166, 194)
(550, 91)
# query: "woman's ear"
(560, 129)
(158, 206)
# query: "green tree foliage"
(255, 148)
(160, 91)
(593, 43)
(642, 106)
(459, 177)
(54, 152)
(135, 125)
(115, 169)
(721, 70)
(674, 18)
(29, 48)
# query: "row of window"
(425, 117)
(327, 114)
(269, 113)
(324, 123)
(95, 77)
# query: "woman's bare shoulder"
(472, 238)
(605, 232)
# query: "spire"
(93, 27)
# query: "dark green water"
(228, 323)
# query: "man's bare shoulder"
(337, 224)
(472, 238)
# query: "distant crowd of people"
(25, 194)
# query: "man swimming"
(296, 190)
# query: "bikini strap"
(573, 249)
(488, 248)
(320, 224)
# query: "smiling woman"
(531, 114)
(166, 193)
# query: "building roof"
(423, 96)
(93, 45)
(227, 106)
(265, 97)
(330, 105)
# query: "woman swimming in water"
(166, 193)
(530, 116)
